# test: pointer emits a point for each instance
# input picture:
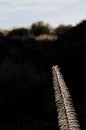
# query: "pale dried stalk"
(67, 118)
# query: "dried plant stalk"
(67, 118)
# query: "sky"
(22, 13)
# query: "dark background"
(26, 86)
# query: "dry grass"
(45, 36)
(4, 32)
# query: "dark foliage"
(61, 29)
(40, 28)
(26, 89)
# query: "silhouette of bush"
(61, 29)
(20, 34)
(40, 28)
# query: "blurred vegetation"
(39, 28)
(26, 89)
(61, 29)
